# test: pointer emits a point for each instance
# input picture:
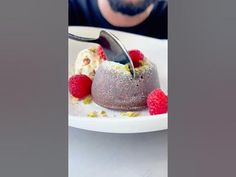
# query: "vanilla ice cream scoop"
(87, 62)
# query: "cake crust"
(114, 88)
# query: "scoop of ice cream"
(87, 62)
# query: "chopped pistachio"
(127, 68)
(130, 114)
(86, 61)
(93, 49)
(133, 114)
(92, 114)
(87, 100)
(103, 113)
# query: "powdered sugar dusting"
(113, 86)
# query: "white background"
(93, 154)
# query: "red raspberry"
(136, 56)
(80, 86)
(101, 53)
(157, 102)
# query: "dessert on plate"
(111, 84)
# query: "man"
(145, 17)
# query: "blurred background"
(144, 17)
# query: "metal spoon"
(113, 48)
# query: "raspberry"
(136, 56)
(101, 53)
(157, 102)
(80, 86)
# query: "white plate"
(155, 50)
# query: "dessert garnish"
(157, 102)
(101, 53)
(93, 114)
(87, 100)
(103, 113)
(80, 86)
(130, 114)
(136, 56)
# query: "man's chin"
(129, 8)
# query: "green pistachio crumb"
(87, 100)
(93, 49)
(103, 113)
(92, 114)
(130, 114)
(127, 68)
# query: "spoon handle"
(83, 39)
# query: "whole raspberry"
(136, 56)
(101, 53)
(157, 102)
(80, 86)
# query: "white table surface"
(93, 154)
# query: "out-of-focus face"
(130, 7)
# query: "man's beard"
(128, 8)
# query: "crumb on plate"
(130, 114)
(103, 113)
(87, 100)
(93, 114)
